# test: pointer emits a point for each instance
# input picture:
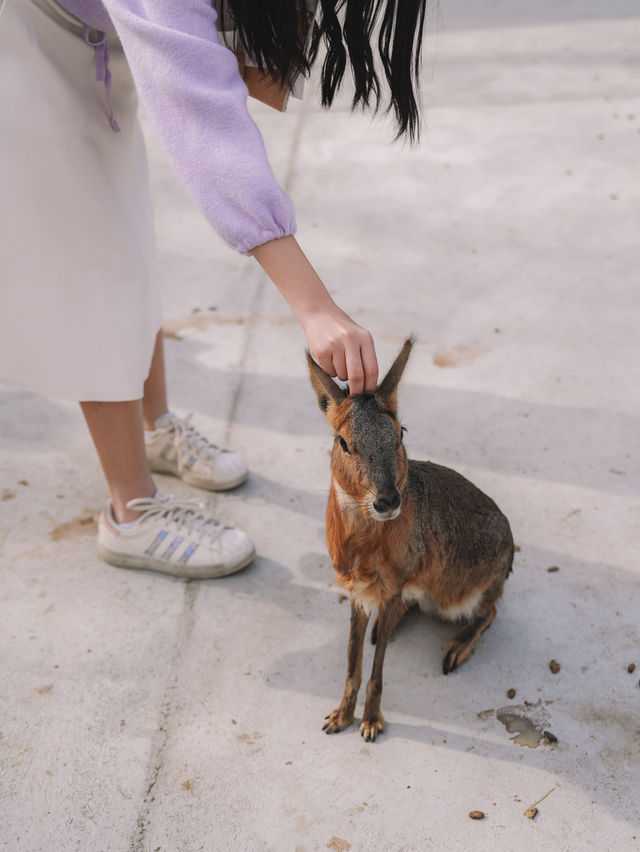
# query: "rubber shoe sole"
(148, 563)
(197, 481)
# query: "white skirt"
(79, 305)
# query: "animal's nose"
(386, 501)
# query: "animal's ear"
(328, 392)
(388, 387)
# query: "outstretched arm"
(341, 347)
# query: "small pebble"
(511, 693)
(553, 569)
(531, 812)
(554, 665)
(631, 668)
(476, 814)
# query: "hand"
(341, 347)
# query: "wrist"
(299, 284)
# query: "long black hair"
(385, 73)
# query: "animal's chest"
(372, 572)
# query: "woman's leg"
(167, 539)
(154, 400)
(117, 432)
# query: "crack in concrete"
(161, 739)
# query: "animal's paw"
(456, 654)
(370, 728)
(337, 721)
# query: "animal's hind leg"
(461, 645)
(399, 615)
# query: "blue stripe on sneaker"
(156, 542)
(172, 547)
(188, 553)
(167, 453)
(190, 463)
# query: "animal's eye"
(403, 429)
(343, 444)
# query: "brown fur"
(401, 532)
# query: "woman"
(80, 311)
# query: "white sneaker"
(173, 536)
(177, 448)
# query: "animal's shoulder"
(436, 482)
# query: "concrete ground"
(140, 712)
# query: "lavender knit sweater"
(196, 101)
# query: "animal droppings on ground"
(531, 812)
(511, 693)
(631, 668)
(43, 690)
(554, 665)
(553, 569)
(476, 814)
(22, 482)
(7, 495)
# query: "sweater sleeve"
(197, 103)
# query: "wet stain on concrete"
(338, 844)
(458, 356)
(84, 524)
(527, 721)
(249, 739)
(483, 715)
(173, 327)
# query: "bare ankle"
(121, 513)
(149, 420)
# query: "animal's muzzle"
(387, 502)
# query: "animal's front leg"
(373, 720)
(342, 716)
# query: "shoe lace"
(183, 513)
(188, 441)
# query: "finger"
(324, 359)
(355, 370)
(370, 364)
(340, 365)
